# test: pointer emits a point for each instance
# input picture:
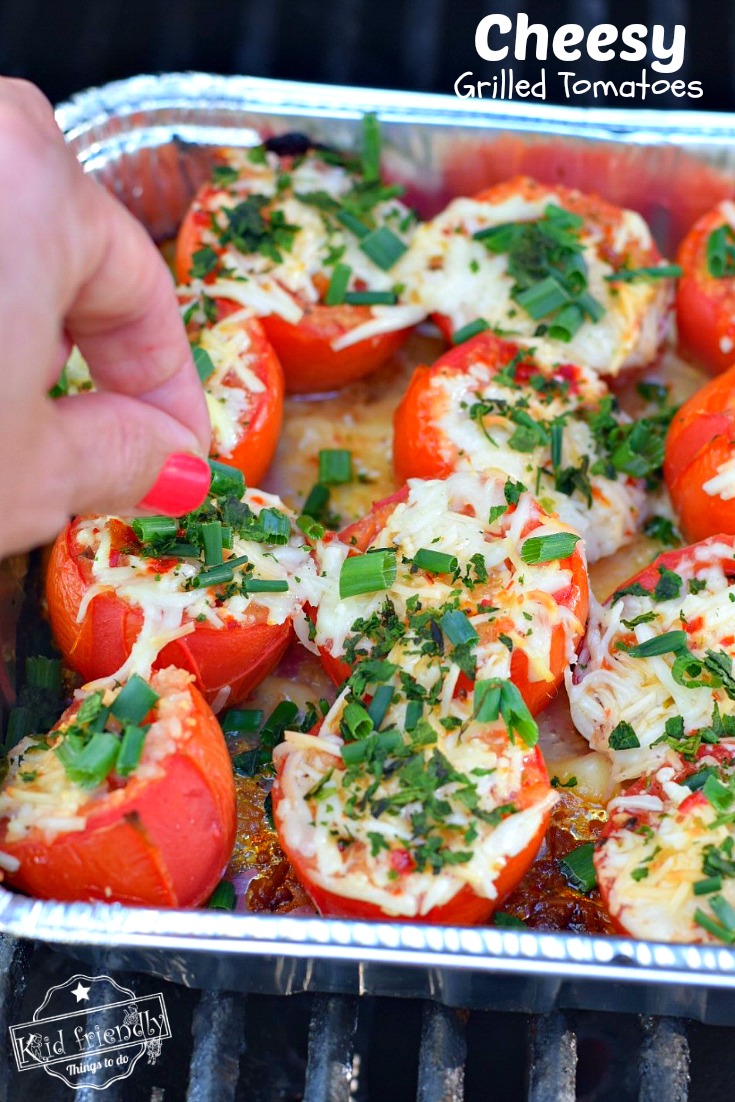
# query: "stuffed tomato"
(387, 810)
(310, 240)
(487, 403)
(700, 460)
(455, 580)
(656, 667)
(665, 865)
(705, 298)
(215, 593)
(565, 273)
(243, 386)
(129, 799)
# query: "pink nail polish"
(181, 486)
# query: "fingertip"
(182, 485)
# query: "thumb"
(127, 456)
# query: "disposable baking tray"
(149, 140)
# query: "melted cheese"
(171, 609)
(233, 388)
(444, 515)
(336, 842)
(449, 273)
(648, 875)
(285, 286)
(610, 686)
(611, 519)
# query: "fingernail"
(181, 486)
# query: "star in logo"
(81, 993)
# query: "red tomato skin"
(160, 843)
(310, 364)
(466, 908)
(701, 438)
(237, 656)
(536, 694)
(649, 576)
(254, 453)
(705, 305)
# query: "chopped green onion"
(20, 725)
(370, 148)
(497, 238)
(282, 716)
(414, 711)
(265, 585)
(628, 275)
(437, 562)
(486, 700)
(538, 549)
(155, 529)
(223, 897)
(276, 526)
(134, 701)
(379, 705)
(338, 284)
(182, 550)
(671, 642)
(590, 306)
(356, 721)
(131, 749)
(720, 252)
(216, 575)
(712, 927)
(353, 223)
(203, 363)
(371, 298)
(383, 247)
(90, 766)
(457, 628)
(212, 539)
(724, 912)
(242, 721)
(472, 329)
(335, 466)
(516, 715)
(557, 439)
(367, 573)
(226, 481)
(578, 868)
(354, 752)
(567, 322)
(717, 794)
(542, 298)
(623, 737)
(316, 501)
(311, 528)
(504, 920)
(43, 673)
(708, 885)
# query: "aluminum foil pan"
(149, 139)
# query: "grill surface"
(228, 1047)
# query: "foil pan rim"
(479, 949)
(145, 91)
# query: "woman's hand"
(76, 268)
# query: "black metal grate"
(231, 1047)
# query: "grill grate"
(230, 1047)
